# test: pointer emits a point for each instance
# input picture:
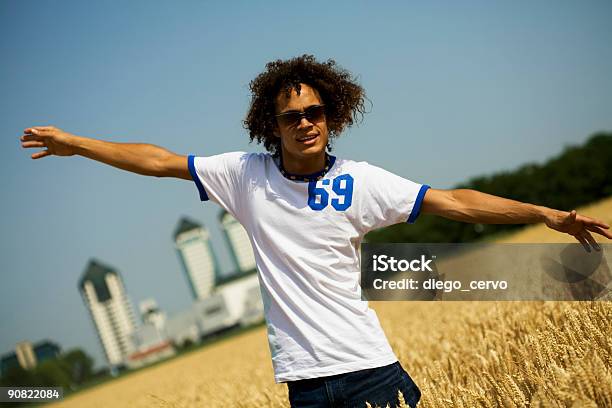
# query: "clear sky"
(458, 89)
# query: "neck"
(303, 165)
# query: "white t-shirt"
(306, 237)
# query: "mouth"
(308, 139)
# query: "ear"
(276, 131)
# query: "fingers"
(599, 230)
(37, 129)
(35, 137)
(587, 235)
(40, 155)
(584, 242)
(30, 137)
(33, 144)
(596, 226)
(37, 132)
(592, 221)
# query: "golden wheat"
(461, 354)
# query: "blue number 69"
(342, 190)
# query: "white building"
(221, 302)
(242, 298)
(151, 314)
(236, 302)
(104, 295)
(238, 242)
(197, 258)
(149, 340)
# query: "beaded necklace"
(329, 162)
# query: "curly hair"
(342, 96)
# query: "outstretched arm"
(146, 159)
(476, 207)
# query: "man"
(306, 213)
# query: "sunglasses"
(312, 114)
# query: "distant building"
(25, 355)
(46, 350)
(149, 345)
(238, 242)
(151, 314)
(8, 361)
(242, 297)
(221, 302)
(235, 302)
(183, 328)
(28, 356)
(197, 258)
(105, 297)
(146, 336)
(151, 355)
(149, 340)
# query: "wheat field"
(461, 354)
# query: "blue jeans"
(378, 386)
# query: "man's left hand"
(579, 226)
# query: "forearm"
(476, 207)
(138, 158)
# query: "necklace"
(329, 162)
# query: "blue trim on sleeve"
(416, 209)
(196, 179)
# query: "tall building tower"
(197, 257)
(104, 295)
(238, 241)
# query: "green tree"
(17, 377)
(78, 365)
(578, 176)
(51, 373)
(68, 370)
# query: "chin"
(312, 151)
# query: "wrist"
(548, 215)
(79, 144)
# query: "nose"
(304, 123)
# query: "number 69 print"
(342, 186)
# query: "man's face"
(304, 138)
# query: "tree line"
(69, 370)
(578, 176)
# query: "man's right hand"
(56, 141)
(141, 158)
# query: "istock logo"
(383, 263)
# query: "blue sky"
(458, 89)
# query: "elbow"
(154, 169)
(463, 205)
(451, 204)
(159, 166)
